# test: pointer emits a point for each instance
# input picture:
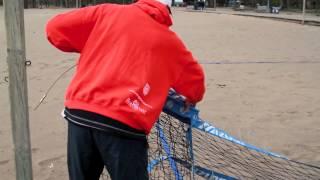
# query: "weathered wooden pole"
(303, 11)
(14, 22)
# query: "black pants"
(89, 150)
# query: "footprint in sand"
(34, 150)
(309, 114)
(4, 162)
(50, 161)
(221, 85)
(251, 73)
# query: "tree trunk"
(210, 3)
(26, 4)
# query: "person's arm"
(69, 31)
(191, 80)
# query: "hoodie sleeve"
(69, 31)
(191, 79)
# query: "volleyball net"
(182, 146)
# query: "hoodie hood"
(156, 10)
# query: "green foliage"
(275, 2)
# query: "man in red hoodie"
(129, 59)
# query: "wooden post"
(14, 22)
(303, 11)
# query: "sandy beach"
(262, 79)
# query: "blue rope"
(166, 148)
(206, 127)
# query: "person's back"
(129, 58)
(124, 50)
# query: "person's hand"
(187, 106)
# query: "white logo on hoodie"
(146, 89)
(137, 103)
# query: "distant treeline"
(285, 4)
(295, 4)
(66, 3)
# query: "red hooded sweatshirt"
(129, 58)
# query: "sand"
(272, 105)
